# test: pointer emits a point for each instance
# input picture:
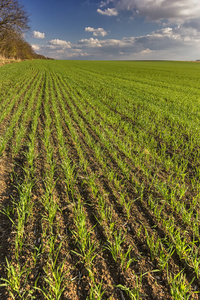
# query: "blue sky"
(115, 29)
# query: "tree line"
(14, 22)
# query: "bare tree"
(13, 23)
(13, 16)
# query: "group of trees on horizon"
(13, 24)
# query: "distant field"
(100, 180)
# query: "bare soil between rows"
(108, 272)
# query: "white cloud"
(108, 12)
(60, 51)
(180, 36)
(176, 41)
(157, 10)
(180, 41)
(96, 32)
(146, 51)
(35, 47)
(38, 35)
(59, 43)
(89, 43)
(117, 44)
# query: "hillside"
(14, 46)
(13, 25)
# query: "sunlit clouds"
(177, 35)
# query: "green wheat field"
(99, 180)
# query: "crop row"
(105, 178)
